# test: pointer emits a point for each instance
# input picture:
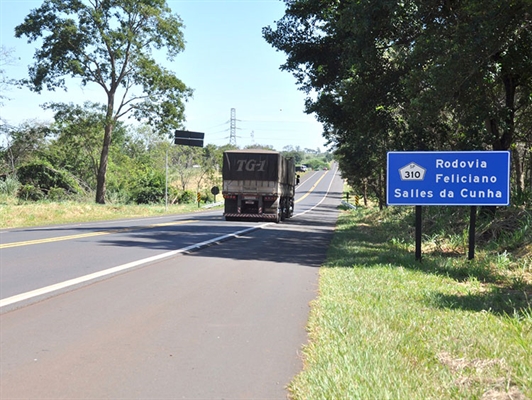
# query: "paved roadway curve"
(225, 319)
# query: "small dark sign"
(188, 138)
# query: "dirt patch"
(485, 373)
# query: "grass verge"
(51, 213)
(387, 327)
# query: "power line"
(232, 136)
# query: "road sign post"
(448, 178)
(215, 190)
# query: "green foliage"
(187, 197)
(111, 44)
(30, 192)
(521, 197)
(78, 132)
(386, 326)
(9, 186)
(41, 176)
(260, 146)
(316, 163)
(57, 194)
(24, 143)
(150, 188)
(387, 76)
(296, 153)
(182, 161)
(118, 196)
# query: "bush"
(118, 196)
(30, 193)
(57, 194)
(188, 197)
(9, 186)
(316, 163)
(150, 188)
(42, 176)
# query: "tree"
(24, 143)
(210, 163)
(410, 75)
(182, 160)
(78, 131)
(259, 146)
(337, 52)
(110, 43)
(296, 153)
(6, 58)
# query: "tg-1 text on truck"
(258, 185)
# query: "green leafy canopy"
(110, 43)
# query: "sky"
(226, 62)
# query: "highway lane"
(34, 258)
(70, 252)
(224, 321)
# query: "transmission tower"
(232, 135)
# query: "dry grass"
(48, 213)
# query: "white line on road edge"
(323, 198)
(82, 279)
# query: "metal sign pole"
(418, 233)
(166, 182)
(472, 223)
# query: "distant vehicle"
(301, 168)
(258, 185)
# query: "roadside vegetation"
(386, 75)
(380, 76)
(385, 326)
(145, 171)
(18, 215)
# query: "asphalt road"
(181, 307)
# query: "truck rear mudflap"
(264, 217)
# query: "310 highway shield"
(458, 178)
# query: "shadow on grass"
(368, 242)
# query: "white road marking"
(86, 278)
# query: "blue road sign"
(451, 178)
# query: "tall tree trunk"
(529, 173)
(518, 162)
(365, 192)
(503, 140)
(382, 191)
(104, 157)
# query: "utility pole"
(232, 135)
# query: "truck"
(258, 185)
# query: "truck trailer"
(258, 185)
